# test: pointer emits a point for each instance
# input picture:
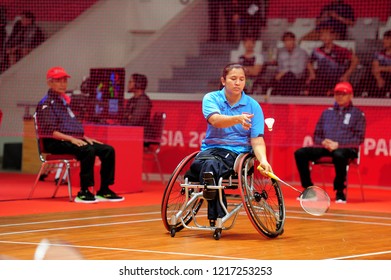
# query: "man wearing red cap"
(338, 134)
(62, 133)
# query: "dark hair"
(249, 38)
(288, 35)
(326, 26)
(29, 15)
(231, 66)
(140, 81)
(387, 34)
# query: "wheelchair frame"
(260, 196)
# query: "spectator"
(25, 36)
(252, 17)
(378, 82)
(329, 64)
(3, 35)
(230, 16)
(338, 134)
(292, 63)
(336, 14)
(138, 108)
(253, 62)
(235, 125)
(80, 100)
(62, 133)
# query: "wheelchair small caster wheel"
(172, 232)
(217, 234)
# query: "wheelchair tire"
(262, 199)
(174, 197)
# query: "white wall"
(100, 37)
(169, 47)
(153, 14)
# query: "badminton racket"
(314, 200)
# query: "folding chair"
(51, 161)
(355, 163)
(153, 139)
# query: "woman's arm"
(223, 121)
(259, 148)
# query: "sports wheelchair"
(245, 187)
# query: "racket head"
(315, 201)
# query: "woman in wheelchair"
(235, 125)
(232, 148)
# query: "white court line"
(75, 227)
(346, 215)
(340, 221)
(242, 213)
(130, 250)
(203, 211)
(361, 255)
(158, 219)
(175, 253)
(80, 219)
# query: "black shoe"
(108, 195)
(62, 183)
(85, 196)
(340, 197)
(212, 223)
(42, 177)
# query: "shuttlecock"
(269, 123)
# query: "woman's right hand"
(245, 120)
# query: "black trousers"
(323, 84)
(369, 84)
(214, 7)
(288, 85)
(340, 160)
(220, 162)
(250, 26)
(86, 155)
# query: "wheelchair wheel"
(174, 197)
(262, 198)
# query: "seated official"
(62, 133)
(137, 110)
(338, 134)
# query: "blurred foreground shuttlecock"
(269, 123)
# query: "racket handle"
(262, 170)
(268, 173)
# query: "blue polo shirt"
(234, 138)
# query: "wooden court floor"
(137, 233)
